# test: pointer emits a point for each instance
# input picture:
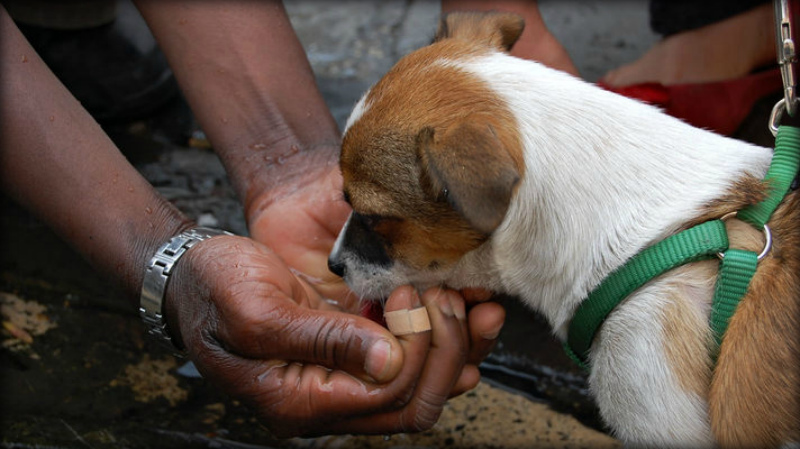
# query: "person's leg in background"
(716, 65)
(703, 42)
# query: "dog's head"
(430, 159)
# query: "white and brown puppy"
(468, 167)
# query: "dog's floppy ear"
(468, 166)
(496, 29)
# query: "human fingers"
(290, 398)
(485, 323)
(474, 295)
(443, 366)
(267, 325)
(469, 379)
(237, 294)
(306, 399)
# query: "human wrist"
(165, 221)
(159, 271)
(260, 117)
(272, 172)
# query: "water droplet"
(149, 210)
(24, 58)
(130, 189)
(52, 118)
(224, 120)
(258, 146)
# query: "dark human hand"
(305, 367)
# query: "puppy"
(467, 167)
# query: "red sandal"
(717, 106)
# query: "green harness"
(701, 242)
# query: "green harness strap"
(738, 266)
(698, 243)
(735, 272)
(779, 177)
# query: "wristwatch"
(156, 276)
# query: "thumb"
(335, 340)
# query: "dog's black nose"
(336, 267)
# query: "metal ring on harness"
(775, 116)
(767, 237)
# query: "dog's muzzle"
(357, 244)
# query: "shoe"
(116, 71)
(718, 106)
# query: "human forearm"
(57, 162)
(247, 78)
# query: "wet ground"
(76, 371)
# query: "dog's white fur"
(582, 210)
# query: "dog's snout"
(336, 266)
(335, 260)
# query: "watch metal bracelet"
(157, 275)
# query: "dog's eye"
(443, 195)
(372, 221)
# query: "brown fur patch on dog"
(746, 191)
(754, 399)
(686, 333)
(754, 395)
